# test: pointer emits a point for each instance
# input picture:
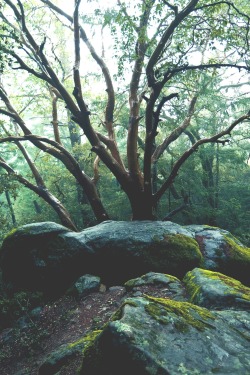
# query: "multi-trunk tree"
(159, 47)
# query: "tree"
(158, 42)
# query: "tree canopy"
(134, 101)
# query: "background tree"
(175, 53)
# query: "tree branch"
(204, 66)
(165, 38)
(189, 152)
(43, 192)
(175, 133)
(134, 102)
(173, 7)
(109, 111)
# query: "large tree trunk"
(142, 207)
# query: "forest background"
(109, 110)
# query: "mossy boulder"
(153, 278)
(125, 250)
(37, 257)
(222, 252)
(215, 290)
(85, 285)
(62, 356)
(149, 336)
(49, 257)
(170, 285)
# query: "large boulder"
(222, 252)
(215, 290)
(37, 257)
(123, 250)
(149, 336)
(49, 257)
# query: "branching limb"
(109, 111)
(134, 100)
(172, 7)
(43, 192)
(171, 214)
(54, 121)
(193, 149)
(179, 17)
(184, 68)
(175, 133)
(96, 177)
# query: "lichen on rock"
(160, 336)
(216, 290)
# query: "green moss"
(156, 311)
(187, 314)
(182, 245)
(172, 278)
(79, 342)
(88, 339)
(175, 252)
(210, 227)
(238, 288)
(11, 233)
(90, 351)
(192, 288)
(236, 251)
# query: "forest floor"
(25, 346)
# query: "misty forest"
(124, 183)
(125, 112)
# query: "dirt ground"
(24, 347)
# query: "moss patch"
(237, 287)
(90, 353)
(236, 251)
(188, 314)
(11, 233)
(216, 290)
(175, 254)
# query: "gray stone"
(150, 336)
(215, 290)
(222, 252)
(37, 257)
(49, 257)
(123, 250)
(172, 284)
(152, 278)
(84, 285)
(60, 357)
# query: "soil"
(25, 346)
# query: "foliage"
(178, 84)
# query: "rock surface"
(215, 290)
(222, 252)
(147, 327)
(84, 285)
(49, 257)
(172, 285)
(151, 336)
